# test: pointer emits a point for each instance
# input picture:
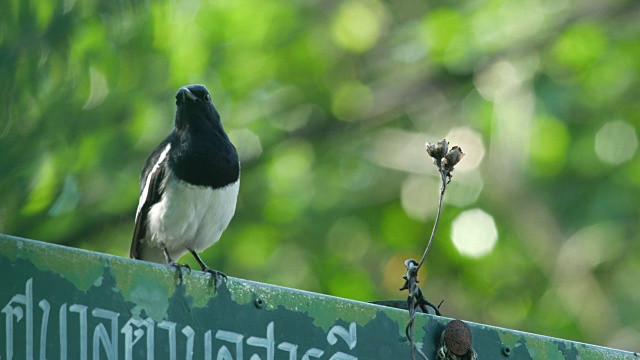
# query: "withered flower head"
(437, 150)
(452, 158)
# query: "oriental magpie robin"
(189, 185)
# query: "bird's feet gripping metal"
(174, 264)
(215, 274)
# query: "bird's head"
(195, 106)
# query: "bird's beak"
(187, 94)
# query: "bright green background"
(329, 104)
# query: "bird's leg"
(216, 274)
(175, 264)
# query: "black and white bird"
(189, 185)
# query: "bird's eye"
(207, 97)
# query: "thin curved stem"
(443, 188)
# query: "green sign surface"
(62, 303)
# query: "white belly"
(190, 217)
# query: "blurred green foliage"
(329, 104)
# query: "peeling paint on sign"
(59, 302)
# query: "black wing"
(153, 174)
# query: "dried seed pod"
(452, 158)
(437, 150)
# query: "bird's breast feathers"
(190, 216)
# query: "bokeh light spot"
(616, 142)
(358, 25)
(474, 233)
(99, 89)
(247, 143)
(520, 19)
(580, 46)
(499, 81)
(44, 189)
(471, 143)
(548, 145)
(351, 236)
(68, 199)
(439, 30)
(351, 101)
(290, 265)
(259, 241)
(418, 196)
(398, 230)
(292, 161)
(354, 284)
(465, 188)
(290, 179)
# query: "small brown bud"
(452, 158)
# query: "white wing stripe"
(145, 190)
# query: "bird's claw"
(179, 268)
(216, 275)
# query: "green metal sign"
(62, 303)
